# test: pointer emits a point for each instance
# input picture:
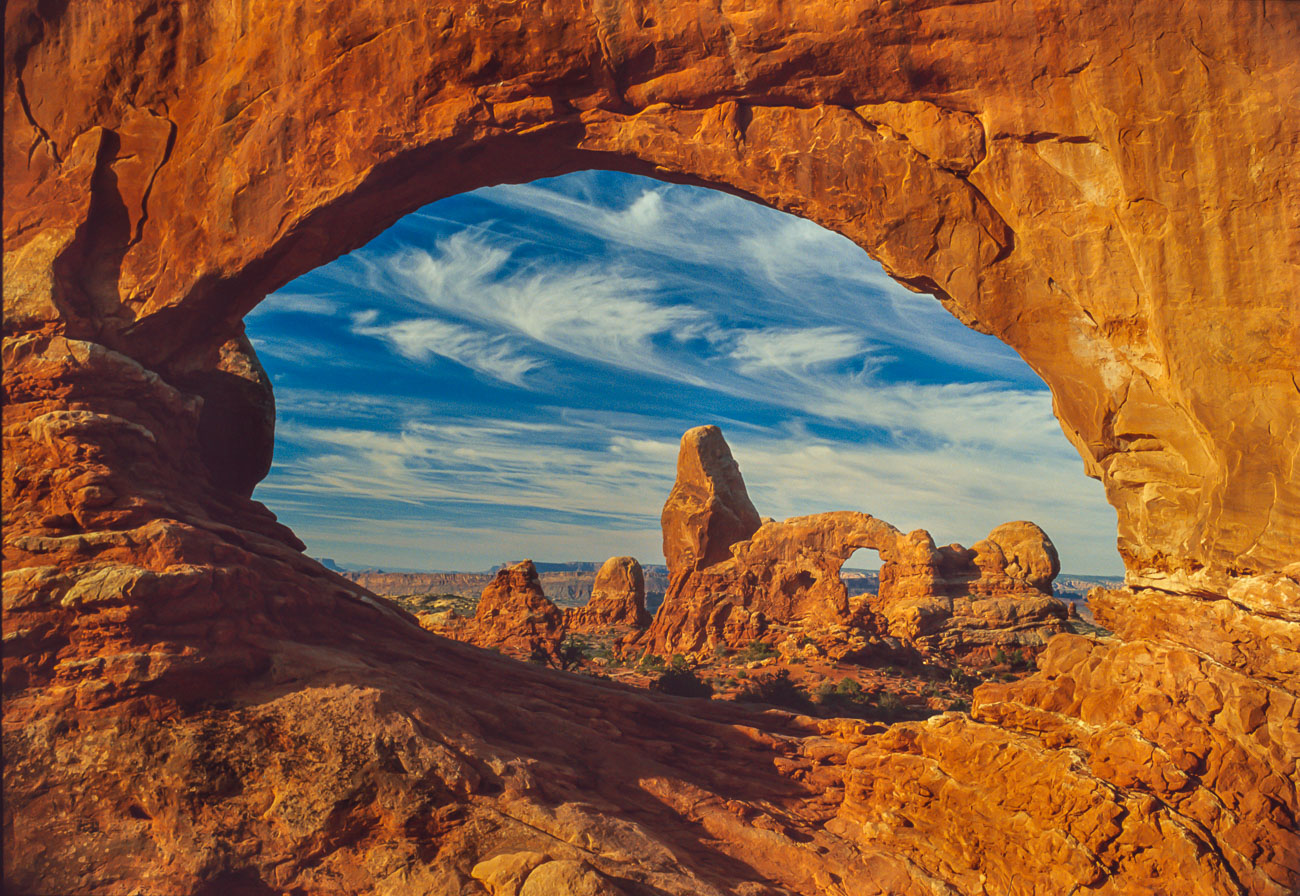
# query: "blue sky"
(506, 373)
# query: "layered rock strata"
(191, 705)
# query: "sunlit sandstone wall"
(1110, 188)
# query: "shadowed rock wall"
(1110, 189)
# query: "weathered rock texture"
(516, 616)
(191, 705)
(617, 598)
(950, 600)
(970, 602)
(708, 509)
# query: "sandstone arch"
(1110, 191)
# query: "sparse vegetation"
(572, 653)
(843, 698)
(650, 662)
(889, 705)
(1016, 660)
(777, 690)
(962, 680)
(756, 651)
(680, 679)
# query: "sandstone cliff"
(191, 705)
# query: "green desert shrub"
(845, 697)
(755, 651)
(889, 705)
(682, 681)
(572, 652)
(777, 690)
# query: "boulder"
(617, 598)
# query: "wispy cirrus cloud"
(589, 321)
(787, 350)
(597, 313)
(512, 477)
(420, 339)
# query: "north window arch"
(505, 373)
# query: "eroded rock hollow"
(192, 705)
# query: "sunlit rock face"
(708, 509)
(514, 614)
(191, 704)
(951, 601)
(617, 598)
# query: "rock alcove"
(1109, 191)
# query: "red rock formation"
(191, 705)
(946, 601)
(514, 615)
(787, 572)
(1015, 557)
(617, 598)
(952, 601)
(708, 509)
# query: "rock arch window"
(505, 373)
(861, 572)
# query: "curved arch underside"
(1112, 191)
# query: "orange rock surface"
(708, 509)
(617, 598)
(192, 705)
(949, 601)
(516, 616)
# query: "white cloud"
(296, 302)
(424, 338)
(760, 351)
(747, 308)
(595, 313)
(785, 254)
(522, 476)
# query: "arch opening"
(200, 165)
(531, 353)
(861, 572)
